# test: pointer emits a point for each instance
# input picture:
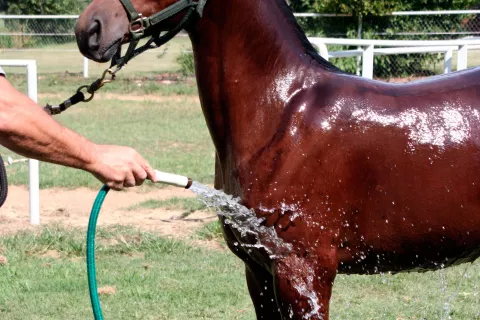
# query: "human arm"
(28, 130)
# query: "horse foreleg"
(304, 285)
(260, 286)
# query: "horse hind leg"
(303, 286)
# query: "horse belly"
(415, 218)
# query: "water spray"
(160, 177)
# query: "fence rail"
(368, 50)
(395, 13)
(33, 165)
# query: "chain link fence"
(421, 27)
(51, 41)
(398, 26)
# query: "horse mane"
(309, 49)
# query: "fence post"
(33, 165)
(447, 61)
(367, 67)
(85, 68)
(462, 58)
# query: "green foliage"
(186, 62)
(3, 5)
(46, 7)
(355, 7)
(378, 7)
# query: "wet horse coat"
(359, 176)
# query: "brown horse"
(359, 176)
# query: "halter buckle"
(138, 26)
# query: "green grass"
(159, 278)
(155, 278)
(211, 231)
(65, 86)
(409, 296)
(188, 205)
(170, 134)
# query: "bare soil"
(71, 208)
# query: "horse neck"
(250, 60)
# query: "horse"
(359, 176)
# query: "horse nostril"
(94, 35)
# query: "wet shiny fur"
(359, 176)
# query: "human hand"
(120, 167)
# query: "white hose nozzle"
(173, 179)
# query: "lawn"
(150, 277)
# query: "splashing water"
(243, 220)
(249, 226)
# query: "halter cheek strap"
(139, 26)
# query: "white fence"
(368, 51)
(33, 165)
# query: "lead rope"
(108, 76)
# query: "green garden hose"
(160, 177)
(91, 269)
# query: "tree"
(46, 7)
(3, 5)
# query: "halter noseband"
(139, 26)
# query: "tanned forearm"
(28, 130)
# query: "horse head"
(107, 24)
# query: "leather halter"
(139, 26)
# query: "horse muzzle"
(96, 40)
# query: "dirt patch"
(52, 254)
(107, 291)
(71, 208)
(3, 261)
